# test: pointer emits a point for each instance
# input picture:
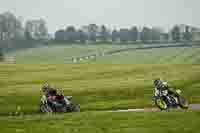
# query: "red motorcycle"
(58, 103)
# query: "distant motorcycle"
(58, 103)
(166, 101)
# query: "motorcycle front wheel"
(44, 108)
(161, 104)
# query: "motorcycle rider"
(162, 89)
(48, 90)
(51, 93)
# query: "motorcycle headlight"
(178, 91)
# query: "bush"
(1, 55)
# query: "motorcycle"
(165, 101)
(58, 103)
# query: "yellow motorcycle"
(165, 101)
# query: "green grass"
(113, 82)
(94, 86)
(155, 56)
(60, 53)
(101, 122)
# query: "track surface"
(191, 107)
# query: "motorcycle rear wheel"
(75, 108)
(183, 103)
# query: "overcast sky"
(113, 13)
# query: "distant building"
(195, 33)
(183, 28)
(164, 37)
(124, 35)
(196, 36)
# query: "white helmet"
(164, 84)
(45, 87)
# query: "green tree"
(71, 34)
(124, 35)
(27, 35)
(134, 33)
(71, 29)
(1, 54)
(60, 35)
(82, 36)
(10, 27)
(104, 33)
(115, 35)
(176, 33)
(43, 31)
(156, 33)
(187, 35)
(146, 34)
(37, 29)
(93, 30)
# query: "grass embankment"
(60, 54)
(179, 55)
(94, 86)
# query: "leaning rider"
(50, 92)
(162, 87)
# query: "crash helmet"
(158, 82)
(45, 87)
(164, 84)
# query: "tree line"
(16, 33)
(94, 33)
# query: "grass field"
(61, 54)
(120, 81)
(177, 55)
(94, 86)
(101, 122)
